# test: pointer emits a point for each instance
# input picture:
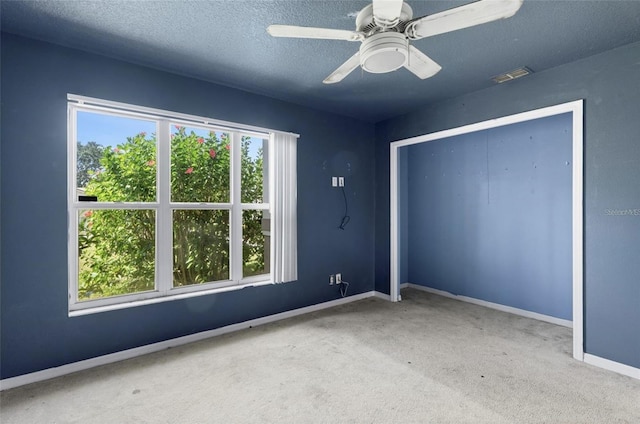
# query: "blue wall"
(36, 330)
(610, 84)
(489, 215)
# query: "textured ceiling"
(225, 42)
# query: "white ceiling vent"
(511, 75)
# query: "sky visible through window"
(109, 130)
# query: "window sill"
(161, 299)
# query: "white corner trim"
(577, 221)
(573, 106)
(609, 365)
(34, 377)
(497, 306)
(394, 208)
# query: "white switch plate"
(334, 181)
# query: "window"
(164, 204)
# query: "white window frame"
(164, 207)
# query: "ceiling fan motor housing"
(366, 23)
(384, 52)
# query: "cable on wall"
(346, 218)
(343, 288)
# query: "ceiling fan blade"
(469, 15)
(386, 13)
(343, 70)
(291, 31)
(420, 64)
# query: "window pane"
(200, 246)
(116, 158)
(116, 252)
(254, 170)
(200, 165)
(256, 242)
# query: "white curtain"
(284, 222)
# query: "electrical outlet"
(340, 181)
(338, 278)
(334, 181)
(331, 279)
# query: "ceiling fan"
(385, 28)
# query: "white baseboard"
(497, 306)
(383, 296)
(34, 377)
(37, 376)
(607, 364)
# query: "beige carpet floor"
(427, 359)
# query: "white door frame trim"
(576, 108)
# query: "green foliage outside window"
(117, 247)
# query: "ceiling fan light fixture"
(384, 52)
